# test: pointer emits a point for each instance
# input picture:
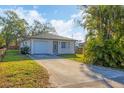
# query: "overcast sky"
(61, 17)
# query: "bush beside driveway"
(18, 70)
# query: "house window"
(63, 44)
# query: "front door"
(55, 47)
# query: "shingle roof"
(51, 36)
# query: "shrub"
(105, 38)
(25, 50)
(108, 53)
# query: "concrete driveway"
(71, 74)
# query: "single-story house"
(48, 43)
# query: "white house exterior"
(47, 43)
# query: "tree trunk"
(16, 43)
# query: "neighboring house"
(81, 45)
(79, 48)
(48, 43)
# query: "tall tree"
(105, 34)
(38, 27)
(13, 27)
(2, 42)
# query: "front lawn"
(76, 57)
(18, 70)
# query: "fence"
(79, 50)
(2, 53)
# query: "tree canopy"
(38, 27)
(14, 28)
(105, 40)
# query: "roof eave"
(53, 39)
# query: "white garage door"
(41, 47)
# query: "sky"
(60, 16)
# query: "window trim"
(63, 44)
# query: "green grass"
(76, 57)
(14, 55)
(18, 70)
(79, 58)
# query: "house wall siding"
(47, 47)
(69, 49)
(25, 43)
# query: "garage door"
(41, 47)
